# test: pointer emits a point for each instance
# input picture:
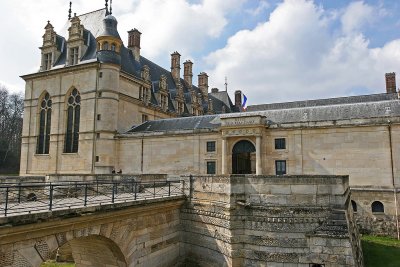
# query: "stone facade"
(117, 88)
(367, 151)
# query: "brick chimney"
(203, 84)
(238, 99)
(134, 43)
(176, 66)
(187, 72)
(390, 82)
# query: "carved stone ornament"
(242, 132)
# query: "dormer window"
(180, 107)
(164, 100)
(73, 58)
(112, 47)
(47, 61)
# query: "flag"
(244, 102)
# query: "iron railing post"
(19, 192)
(51, 197)
(154, 190)
(190, 186)
(6, 206)
(169, 188)
(86, 186)
(113, 193)
(135, 190)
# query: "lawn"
(381, 251)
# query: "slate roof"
(324, 102)
(361, 110)
(179, 124)
(94, 27)
(374, 106)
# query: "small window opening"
(280, 143)
(211, 167)
(354, 206)
(210, 146)
(280, 167)
(377, 206)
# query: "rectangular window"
(98, 135)
(98, 117)
(211, 167)
(280, 143)
(97, 158)
(73, 57)
(211, 146)
(47, 61)
(145, 118)
(280, 167)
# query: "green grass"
(51, 263)
(381, 251)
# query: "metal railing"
(25, 198)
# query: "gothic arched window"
(113, 47)
(43, 142)
(73, 115)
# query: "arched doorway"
(243, 154)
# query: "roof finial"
(70, 10)
(226, 84)
(107, 8)
(110, 7)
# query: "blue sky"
(271, 50)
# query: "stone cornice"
(57, 71)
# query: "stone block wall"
(376, 223)
(270, 220)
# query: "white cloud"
(356, 15)
(261, 7)
(294, 55)
(176, 25)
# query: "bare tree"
(11, 112)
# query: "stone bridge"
(219, 221)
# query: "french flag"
(244, 102)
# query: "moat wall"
(270, 220)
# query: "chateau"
(97, 105)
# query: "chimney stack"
(134, 43)
(238, 100)
(390, 82)
(187, 72)
(176, 66)
(203, 84)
